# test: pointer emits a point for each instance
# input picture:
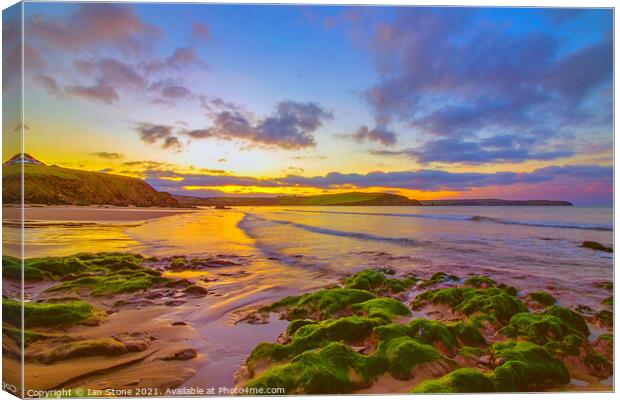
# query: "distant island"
(495, 202)
(54, 185)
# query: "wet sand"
(90, 213)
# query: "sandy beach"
(186, 312)
(92, 213)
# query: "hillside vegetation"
(55, 185)
(338, 199)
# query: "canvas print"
(204, 199)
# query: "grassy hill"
(338, 199)
(45, 184)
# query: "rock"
(182, 355)
(179, 323)
(596, 246)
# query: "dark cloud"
(290, 126)
(108, 155)
(378, 134)
(573, 176)
(152, 134)
(443, 73)
(497, 149)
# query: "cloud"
(290, 126)
(49, 84)
(90, 25)
(444, 73)
(379, 135)
(103, 93)
(200, 31)
(108, 155)
(152, 134)
(573, 177)
(497, 149)
(170, 93)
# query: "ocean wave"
(334, 232)
(475, 218)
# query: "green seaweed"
(538, 328)
(480, 281)
(573, 319)
(496, 301)
(543, 298)
(376, 282)
(384, 307)
(462, 380)
(527, 366)
(327, 370)
(49, 314)
(319, 305)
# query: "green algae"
(497, 302)
(402, 354)
(385, 308)
(327, 370)
(376, 282)
(609, 301)
(480, 281)
(543, 298)
(350, 329)
(527, 366)
(100, 273)
(538, 328)
(49, 314)
(462, 380)
(319, 305)
(573, 319)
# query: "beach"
(197, 322)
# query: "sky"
(220, 100)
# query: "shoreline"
(90, 213)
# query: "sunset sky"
(235, 100)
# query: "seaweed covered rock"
(462, 380)
(542, 298)
(596, 246)
(480, 282)
(50, 314)
(537, 328)
(579, 355)
(437, 278)
(336, 368)
(376, 282)
(94, 273)
(526, 366)
(351, 330)
(319, 305)
(385, 308)
(499, 303)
